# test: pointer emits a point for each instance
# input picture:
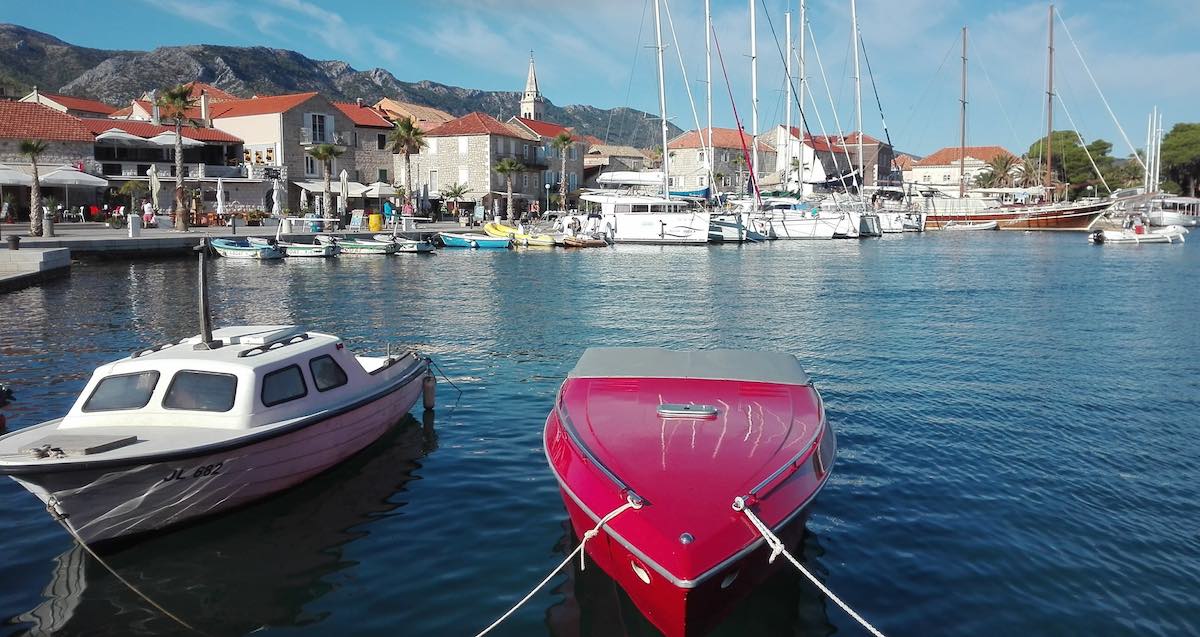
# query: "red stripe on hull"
(1076, 218)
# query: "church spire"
(532, 104)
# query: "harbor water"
(1016, 416)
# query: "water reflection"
(594, 605)
(257, 567)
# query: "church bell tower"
(533, 106)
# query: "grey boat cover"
(714, 364)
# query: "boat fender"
(429, 391)
(474, 243)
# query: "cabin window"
(641, 208)
(622, 207)
(283, 385)
(123, 391)
(326, 373)
(201, 391)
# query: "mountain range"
(31, 58)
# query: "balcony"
(531, 161)
(308, 138)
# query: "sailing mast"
(787, 137)
(860, 179)
(754, 94)
(803, 29)
(962, 124)
(1050, 106)
(712, 161)
(662, 104)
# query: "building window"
(524, 181)
(310, 166)
(462, 145)
(433, 145)
(525, 151)
(925, 179)
(380, 141)
(317, 128)
(383, 175)
(702, 180)
(462, 175)
(433, 182)
(672, 182)
(573, 151)
(946, 177)
(573, 182)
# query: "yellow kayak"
(502, 231)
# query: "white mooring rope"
(777, 549)
(630, 503)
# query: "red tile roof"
(721, 138)
(903, 161)
(547, 129)
(260, 105)
(592, 140)
(146, 105)
(833, 143)
(214, 94)
(29, 120)
(476, 124)
(950, 154)
(146, 129)
(363, 115)
(80, 104)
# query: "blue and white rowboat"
(472, 240)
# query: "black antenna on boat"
(206, 338)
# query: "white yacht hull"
(111, 502)
(733, 228)
(683, 228)
(786, 224)
(1164, 218)
(891, 222)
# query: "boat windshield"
(122, 391)
(201, 391)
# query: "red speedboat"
(682, 435)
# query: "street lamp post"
(547, 197)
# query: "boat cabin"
(609, 203)
(259, 375)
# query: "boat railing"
(156, 348)
(273, 345)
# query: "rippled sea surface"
(1017, 417)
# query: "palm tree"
(326, 153)
(31, 148)
(1030, 171)
(1002, 166)
(561, 143)
(407, 138)
(453, 193)
(173, 104)
(509, 167)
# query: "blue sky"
(1142, 53)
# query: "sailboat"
(1070, 216)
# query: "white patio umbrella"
(277, 199)
(345, 191)
(152, 174)
(10, 176)
(168, 139)
(220, 198)
(67, 176)
(303, 199)
(379, 190)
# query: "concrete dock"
(30, 266)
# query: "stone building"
(373, 159)
(550, 159)
(690, 164)
(465, 151)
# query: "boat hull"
(666, 228)
(1076, 218)
(107, 503)
(798, 225)
(479, 241)
(237, 250)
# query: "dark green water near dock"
(1017, 417)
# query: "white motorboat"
(243, 249)
(206, 424)
(291, 249)
(1139, 234)
(789, 218)
(357, 246)
(405, 245)
(1174, 211)
(631, 218)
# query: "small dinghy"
(358, 246)
(517, 235)
(1138, 232)
(473, 240)
(405, 245)
(244, 249)
(968, 225)
(583, 242)
(206, 424)
(672, 448)
(319, 250)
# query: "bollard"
(135, 226)
(429, 391)
(47, 224)
(14, 242)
